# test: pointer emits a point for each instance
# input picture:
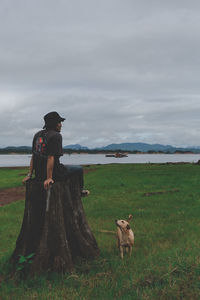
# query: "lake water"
(14, 160)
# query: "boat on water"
(117, 155)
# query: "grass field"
(165, 264)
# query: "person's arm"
(50, 165)
(29, 175)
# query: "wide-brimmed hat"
(52, 118)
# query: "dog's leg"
(118, 244)
(130, 250)
(121, 252)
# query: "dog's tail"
(107, 231)
(129, 218)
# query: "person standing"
(46, 153)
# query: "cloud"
(119, 71)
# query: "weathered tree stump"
(58, 234)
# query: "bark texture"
(59, 236)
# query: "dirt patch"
(12, 194)
(17, 193)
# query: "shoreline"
(104, 153)
(99, 164)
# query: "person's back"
(47, 143)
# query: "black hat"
(52, 118)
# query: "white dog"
(125, 236)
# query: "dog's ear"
(129, 218)
(128, 227)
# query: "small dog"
(125, 236)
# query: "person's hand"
(47, 183)
(26, 179)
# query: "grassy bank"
(11, 177)
(165, 203)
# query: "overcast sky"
(118, 70)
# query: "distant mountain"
(13, 148)
(76, 147)
(142, 147)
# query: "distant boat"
(120, 155)
(117, 155)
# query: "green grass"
(11, 177)
(165, 262)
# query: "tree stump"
(56, 232)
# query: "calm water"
(14, 160)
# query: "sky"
(118, 71)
